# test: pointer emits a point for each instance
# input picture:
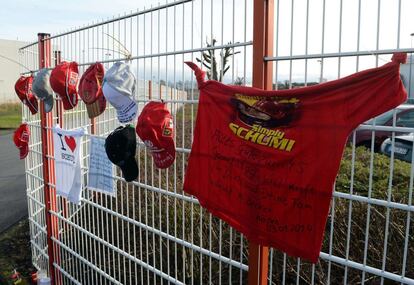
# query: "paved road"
(13, 203)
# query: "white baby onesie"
(68, 149)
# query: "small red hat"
(155, 128)
(23, 89)
(64, 81)
(90, 90)
(21, 140)
(91, 82)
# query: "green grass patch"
(10, 115)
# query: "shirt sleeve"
(374, 92)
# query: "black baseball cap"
(120, 147)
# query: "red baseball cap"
(23, 89)
(155, 128)
(64, 81)
(90, 90)
(21, 140)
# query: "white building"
(9, 71)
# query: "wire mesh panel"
(151, 232)
(369, 233)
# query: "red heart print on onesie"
(70, 141)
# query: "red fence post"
(46, 121)
(263, 25)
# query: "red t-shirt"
(265, 161)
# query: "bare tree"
(209, 60)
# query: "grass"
(10, 115)
(15, 253)
(195, 225)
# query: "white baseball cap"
(118, 87)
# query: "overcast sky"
(23, 19)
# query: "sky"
(24, 19)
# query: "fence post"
(160, 91)
(149, 89)
(46, 121)
(263, 25)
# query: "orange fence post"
(263, 25)
(46, 121)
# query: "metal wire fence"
(369, 233)
(151, 232)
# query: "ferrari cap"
(155, 128)
(23, 88)
(21, 140)
(64, 81)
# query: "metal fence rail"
(154, 233)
